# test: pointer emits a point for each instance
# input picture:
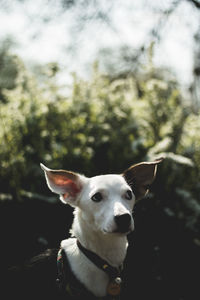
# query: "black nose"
(123, 222)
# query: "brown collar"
(114, 286)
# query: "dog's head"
(105, 201)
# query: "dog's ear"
(141, 176)
(65, 183)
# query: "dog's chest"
(95, 280)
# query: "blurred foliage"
(103, 126)
(9, 67)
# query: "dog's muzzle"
(123, 223)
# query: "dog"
(90, 262)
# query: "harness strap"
(114, 285)
(100, 263)
(67, 282)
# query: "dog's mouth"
(122, 232)
(119, 228)
(118, 232)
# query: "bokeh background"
(95, 86)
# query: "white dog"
(102, 219)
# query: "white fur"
(96, 224)
(95, 227)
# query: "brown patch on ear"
(141, 176)
(65, 183)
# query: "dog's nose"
(123, 222)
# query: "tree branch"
(196, 3)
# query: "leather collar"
(114, 285)
(102, 264)
(68, 283)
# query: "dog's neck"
(109, 247)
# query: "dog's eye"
(129, 195)
(97, 197)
